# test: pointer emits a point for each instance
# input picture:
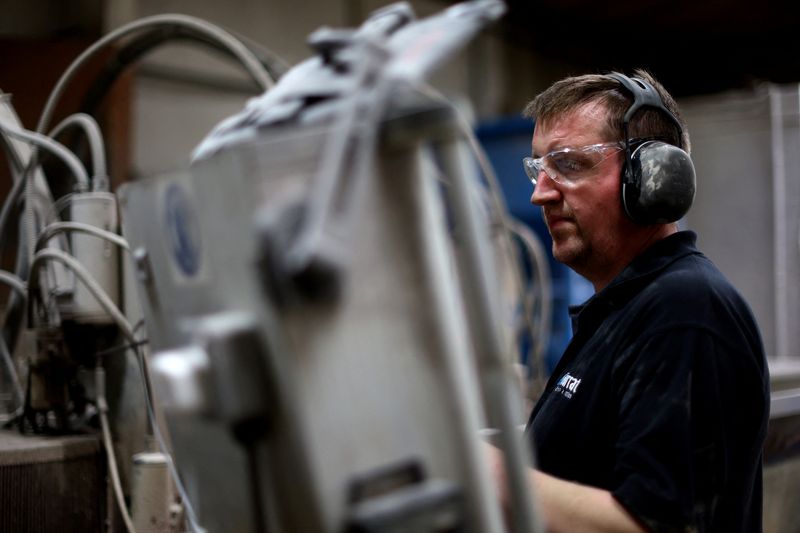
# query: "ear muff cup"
(659, 183)
(658, 179)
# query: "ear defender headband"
(658, 179)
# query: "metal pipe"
(496, 380)
(779, 222)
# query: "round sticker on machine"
(183, 231)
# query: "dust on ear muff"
(658, 178)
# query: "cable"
(15, 381)
(10, 150)
(13, 320)
(143, 44)
(162, 445)
(12, 199)
(260, 76)
(13, 206)
(509, 224)
(542, 293)
(96, 145)
(500, 210)
(539, 327)
(15, 282)
(102, 408)
(50, 254)
(55, 228)
(225, 39)
(114, 312)
(122, 348)
(105, 301)
(496, 390)
(69, 159)
(58, 206)
(273, 63)
(162, 442)
(542, 286)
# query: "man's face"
(585, 217)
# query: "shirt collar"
(641, 270)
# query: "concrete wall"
(747, 210)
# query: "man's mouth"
(554, 220)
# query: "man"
(654, 418)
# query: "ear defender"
(658, 179)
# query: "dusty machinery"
(323, 335)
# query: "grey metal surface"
(296, 217)
(376, 378)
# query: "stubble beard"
(571, 248)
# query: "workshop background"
(733, 65)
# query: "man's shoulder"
(691, 292)
(675, 271)
(692, 280)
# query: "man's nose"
(545, 191)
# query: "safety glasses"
(568, 165)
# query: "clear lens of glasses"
(568, 165)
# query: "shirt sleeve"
(666, 442)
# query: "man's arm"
(567, 506)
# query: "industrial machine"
(324, 342)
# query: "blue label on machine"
(183, 231)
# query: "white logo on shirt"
(567, 385)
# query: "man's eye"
(569, 163)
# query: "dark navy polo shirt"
(662, 396)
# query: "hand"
(566, 506)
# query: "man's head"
(571, 93)
(578, 149)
